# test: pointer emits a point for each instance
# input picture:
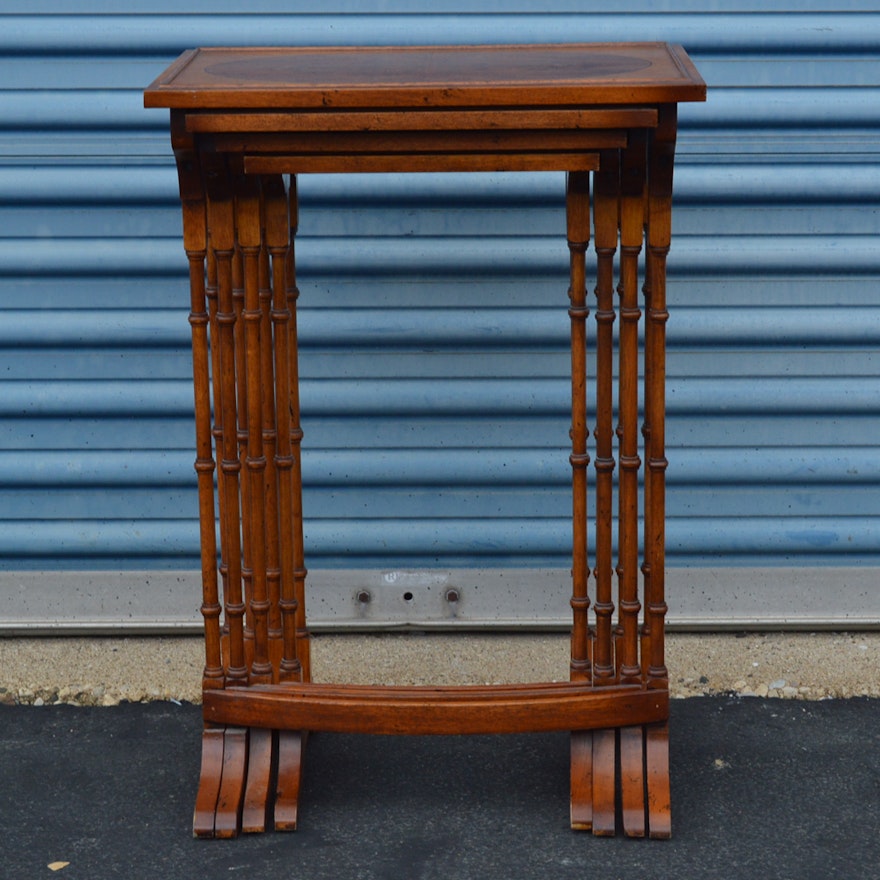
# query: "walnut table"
(244, 124)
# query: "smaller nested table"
(244, 124)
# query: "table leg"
(195, 234)
(659, 234)
(578, 233)
(241, 434)
(632, 227)
(296, 435)
(250, 360)
(222, 240)
(277, 234)
(632, 224)
(605, 219)
(270, 445)
(659, 238)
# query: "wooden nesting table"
(244, 124)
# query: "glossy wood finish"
(436, 710)
(244, 123)
(383, 77)
(290, 757)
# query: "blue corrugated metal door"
(433, 324)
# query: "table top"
(427, 77)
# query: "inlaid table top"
(425, 77)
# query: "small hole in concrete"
(408, 597)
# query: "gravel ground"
(107, 671)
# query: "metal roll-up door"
(434, 331)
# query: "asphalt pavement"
(761, 788)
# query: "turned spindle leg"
(296, 434)
(632, 221)
(659, 237)
(281, 215)
(196, 244)
(224, 750)
(248, 360)
(598, 747)
(578, 217)
(632, 226)
(200, 271)
(578, 234)
(211, 290)
(602, 746)
(278, 246)
(248, 234)
(605, 212)
(221, 223)
(270, 444)
(244, 495)
(659, 234)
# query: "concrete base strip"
(157, 602)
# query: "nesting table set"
(244, 123)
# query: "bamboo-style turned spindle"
(648, 418)
(278, 246)
(248, 228)
(220, 221)
(632, 223)
(196, 246)
(605, 214)
(647, 518)
(662, 155)
(578, 233)
(241, 395)
(632, 227)
(211, 292)
(270, 440)
(296, 435)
